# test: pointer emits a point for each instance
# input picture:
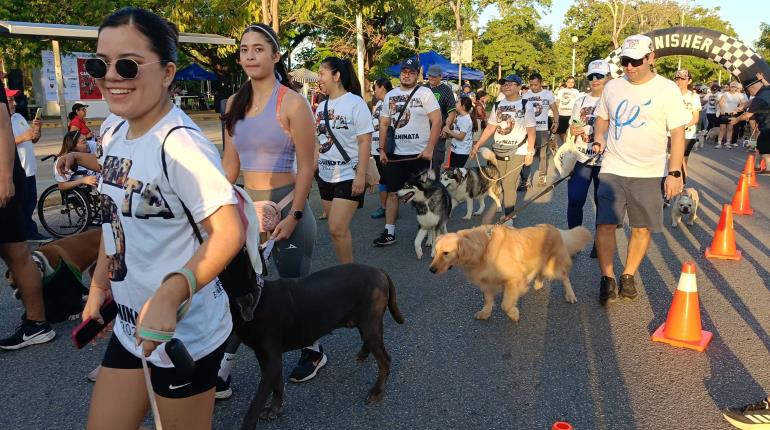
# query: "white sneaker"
(93, 374)
(717, 146)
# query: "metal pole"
(360, 46)
(679, 67)
(573, 59)
(720, 77)
(60, 84)
(460, 75)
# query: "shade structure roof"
(304, 76)
(34, 30)
(195, 72)
(430, 58)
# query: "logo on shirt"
(627, 115)
(506, 117)
(396, 104)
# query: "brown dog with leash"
(287, 314)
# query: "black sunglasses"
(625, 61)
(595, 77)
(126, 67)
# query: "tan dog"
(685, 205)
(504, 259)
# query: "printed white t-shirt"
(732, 101)
(376, 128)
(639, 117)
(413, 131)
(541, 103)
(566, 98)
(584, 111)
(692, 104)
(145, 231)
(512, 123)
(25, 149)
(349, 118)
(711, 104)
(92, 146)
(112, 120)
(463, 124)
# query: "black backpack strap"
(165, 172)
(342, 151)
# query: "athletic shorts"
(640, 198)
(339, 190)
(725, 119)
(563, 124)
(398, 173)
(688, 145)
(763, 142)
(12, 214)
(166, 382)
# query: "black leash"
(591, 162)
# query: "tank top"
(262, 142)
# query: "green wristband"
(155, 335)
(192, 283)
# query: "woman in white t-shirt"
(344, 131)
(683, 80)
(381, 87)
(462, 132)
(150, 261)
(730, 104)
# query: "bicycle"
(66, 213)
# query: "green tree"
(763, 43)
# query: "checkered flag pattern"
(614, 60)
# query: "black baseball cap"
(516, 79)
(411, 63)
(751, 80)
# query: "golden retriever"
(504, 259)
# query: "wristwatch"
(675, 173)
(297, 215)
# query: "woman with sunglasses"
(269, 127)
(587, 166)
(150, 262)
(683, 80)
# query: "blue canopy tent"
(194, 72)
(430, 58)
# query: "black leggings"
(458, 160)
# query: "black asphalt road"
(593, 367)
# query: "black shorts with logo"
(399, 172)
(166, 381)
(338, 190)
(12, 214)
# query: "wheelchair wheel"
(63, 213)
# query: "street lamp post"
(574, 41)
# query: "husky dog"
(700, 140)
(685, 204)
(433, 204)
(474, 184)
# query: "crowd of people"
(153, 165)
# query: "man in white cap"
(632, 118)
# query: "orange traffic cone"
(723, 245)
(762, 165)
(741, 201)
(682, 327)
(561, 425)
(748, 170)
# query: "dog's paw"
(477, 213)
(483, 314)
(537, 285)
(270, 413)
(569, 296)
(467, 217)
(374, 396)
(418, 254)
(691, 222)
(675, 224)
(513, 314)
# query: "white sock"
(226, 366)
(391, 228)
(315, 347)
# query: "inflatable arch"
(732, 54)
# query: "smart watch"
(297, 215)
(675, 173)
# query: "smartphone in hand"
(88, 329)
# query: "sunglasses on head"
(595, 77)
(126, 67)
(625, 61)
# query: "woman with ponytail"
(344, 131)
(462, 132)
(269, 127)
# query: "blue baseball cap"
(411, 63)
(511, 78)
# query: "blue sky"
(744, 19)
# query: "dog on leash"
(433, 204)
(685, 205)
(501, 259)
(474, 183)
(288, 314)
(700, 140)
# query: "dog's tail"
(575, 239)
(392, 303)
(488, 155)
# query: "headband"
(264, 31)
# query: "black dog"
(289, 314)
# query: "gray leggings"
(292, 256)
(509, 171)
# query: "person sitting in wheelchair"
(75, 142)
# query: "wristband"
(191, 283)
(99, 287)
(155, 335)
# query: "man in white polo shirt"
(632, 118)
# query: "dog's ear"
(470, 246)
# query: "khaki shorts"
(640, 198)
